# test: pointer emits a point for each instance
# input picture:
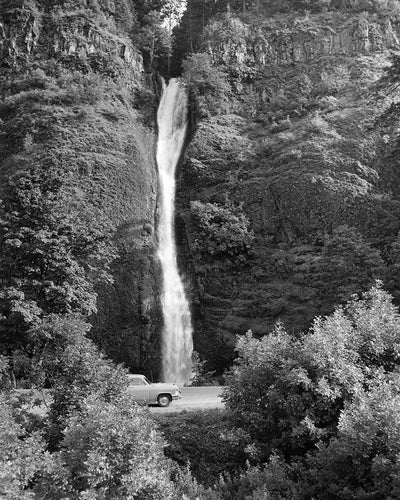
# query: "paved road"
(194, 398)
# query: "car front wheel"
(164, 400)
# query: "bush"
(271, 481)
(288, 393)
(221, 230)
(5, 379)
(334, 81)
(109, 451)
(22, 456)
(363, 460)
(75, 369)
(206, 442)
(201, 377)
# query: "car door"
(140, 390)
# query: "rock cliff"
(293, 40)
(74, 95)
(298, 149)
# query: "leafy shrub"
(221, 230)
(188, 488)
(335, 80)
(201, 377)
(363, 460)
(109, 450)
(75, 369)
(316, 125)
(205, 441)
(22, 456)
(5, 380)
(271, 481)
(288, 393)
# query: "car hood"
(166, 386)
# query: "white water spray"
(177, 343)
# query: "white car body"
(144, 391)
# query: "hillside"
(297, 138)
(76, 107)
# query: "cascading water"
(177, 343)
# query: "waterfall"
(177, 343)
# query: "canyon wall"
(75, 97)
(296, 145)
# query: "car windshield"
(147, 380)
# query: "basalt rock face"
(74, 91)
(302, 153)
(303, 39)
(28, 32)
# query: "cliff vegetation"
(296, 127)
(78, 178)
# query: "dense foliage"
(75, 369)
(44, 254)
(347, 263)
(221, 230)
(22, 455)
(208, 85)
(206, 441)
(109, 451)
(326, 403)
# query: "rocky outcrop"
(76, 35)
(27, 32)
(19, 33)
(301, 40)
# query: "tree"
(125, 16)
(362, 461)
(75, 369)
(171, 12)
(154, 39)
(50, 259)
(221, 230)
(187, 35)
(288, 393)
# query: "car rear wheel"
(164, 400)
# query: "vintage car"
(145, 392)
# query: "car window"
(136, 381)
(147, 380)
